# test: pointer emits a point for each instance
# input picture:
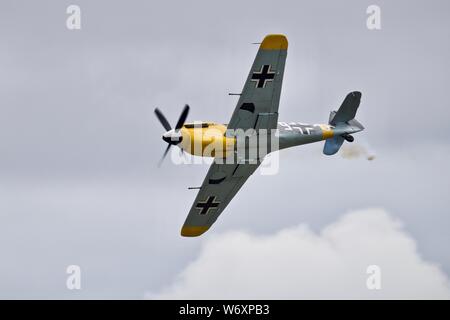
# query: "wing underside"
(257, 108)
(221, 184)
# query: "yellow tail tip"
(193, 231)
(274, 42)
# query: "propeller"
(164, 155)
(162, 119)
(182, 117)
(166, 125)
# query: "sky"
(79, 147)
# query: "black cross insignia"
(209, 203)
(263, 76)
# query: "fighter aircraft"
(256, 114)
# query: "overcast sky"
(79, 146)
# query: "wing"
(258, 104)
(221, 184)
(257, 108)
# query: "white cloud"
(297, 263)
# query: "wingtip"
(274, 42)
(193, 231)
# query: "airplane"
(256, 112)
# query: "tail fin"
(348, 108)
(344, 122)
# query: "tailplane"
(344, 123)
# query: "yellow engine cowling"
(206, 140)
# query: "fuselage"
(209, 139)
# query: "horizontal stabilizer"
(332, 145)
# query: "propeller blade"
(182, 118)
(164, 155)
(162, 119)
